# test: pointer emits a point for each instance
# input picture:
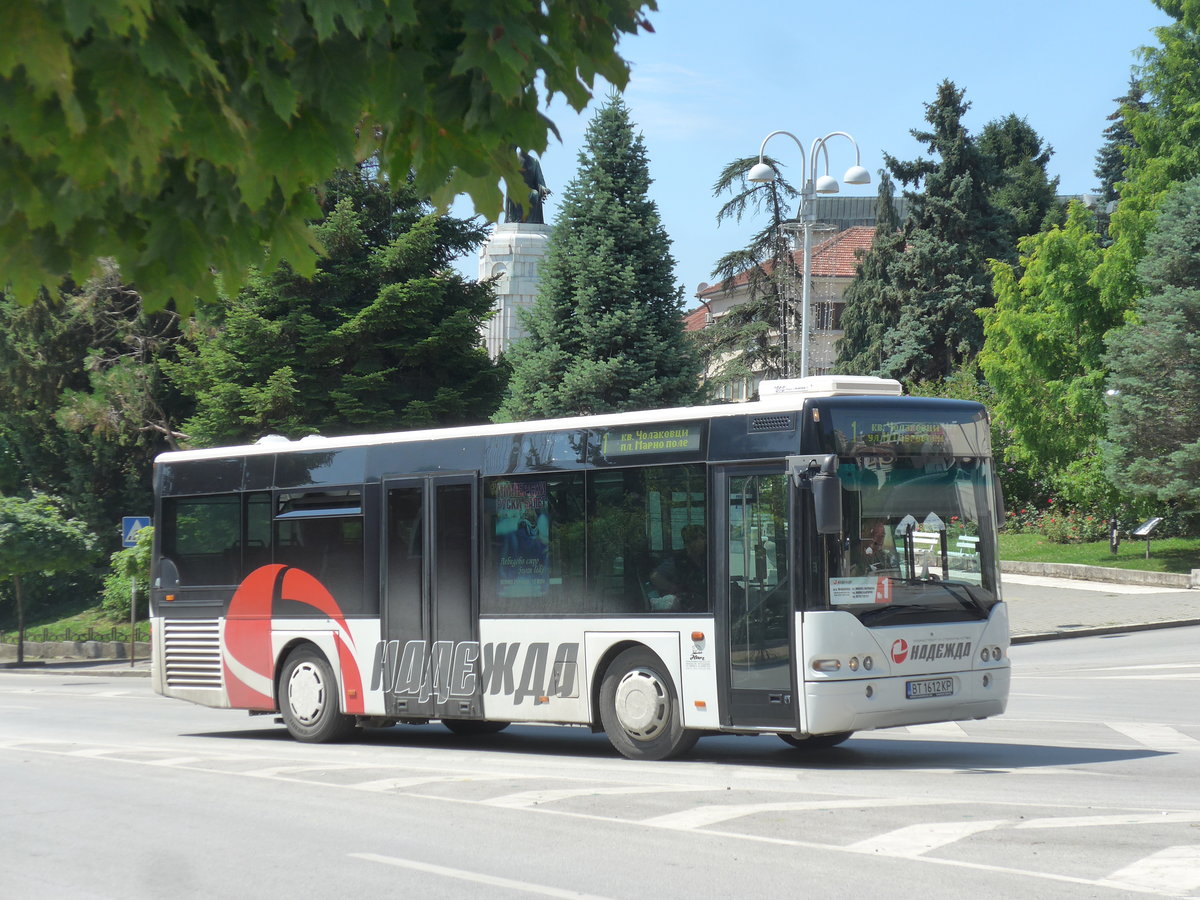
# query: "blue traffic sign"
(130, 526)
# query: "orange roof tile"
(836, 256)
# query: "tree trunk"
(20, 619)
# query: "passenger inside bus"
(682, 578)
(874, 550)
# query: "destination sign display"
(686, 438)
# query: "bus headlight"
(868, 663)
(854, 664)
(985, 654)
(996, 654)
(826, 665)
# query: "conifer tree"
(1153, 446)
(953, 230)
(385, 336)
(872, 298)
(606, 332)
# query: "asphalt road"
(1087, 788)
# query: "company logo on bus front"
(922, 650)
(448, 669)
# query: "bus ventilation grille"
(192, 653)
(772, 422)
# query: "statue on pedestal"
(529, 209)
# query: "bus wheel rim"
(306, 693)
(642, 704)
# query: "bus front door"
(755, 597)
(430, 599)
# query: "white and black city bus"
(817, 562)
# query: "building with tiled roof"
(834, 262)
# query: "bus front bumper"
(861, 704)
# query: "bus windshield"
(919, 522)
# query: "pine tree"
(1153, 446)
(872, 298)
(753, 339)
(385, 336)
(1118, 141)
(606, 331)
(953, 229)
(1022, 191)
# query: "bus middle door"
(430, 600)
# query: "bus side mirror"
(827, 503)
(818, 473)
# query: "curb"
(1099, 632)
(1101, 573)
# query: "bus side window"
(533, 531)
(201, 538)
(647, 540)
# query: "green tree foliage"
(745, 342)
(606, 332)
(941, 278)
(1043, 352)
(385, 335)
(83, 404)
(35, 536)
(1153, 446)
(1021, 189)
(1118, 141)
(1163, 148)
(128, 567)
(873, 299)
(180, 137)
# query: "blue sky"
(716, 77)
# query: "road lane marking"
(396, 784)
(1149, 818)
(527, 887)
(527, 799)
(915, 840)
(1174, 871)
(1163, 738)
(703, 816)
(938, 729)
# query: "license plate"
(929, 687)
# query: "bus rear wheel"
(639, 708)
(816, 741)
(308, 699)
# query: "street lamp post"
(813, 185)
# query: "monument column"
(514, 252)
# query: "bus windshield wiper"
(970, 601)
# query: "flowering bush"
(1059, 525)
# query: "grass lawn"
(1166, 555)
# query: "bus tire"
(474, 727)
(308, 699)
(639, 708)
(815, 741)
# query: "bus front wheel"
(816, 741)
(639, 708)
(309, 700)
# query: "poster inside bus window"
(522, 526)
(684, 439)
